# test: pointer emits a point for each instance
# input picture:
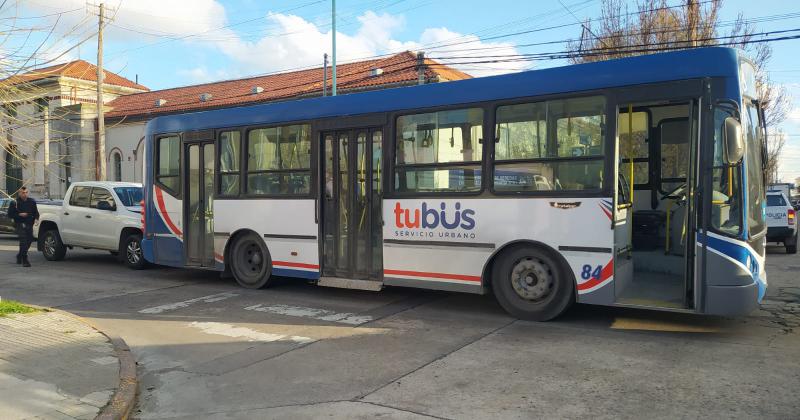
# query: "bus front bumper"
(733, 300)
(147, 250)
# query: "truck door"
(74, 223)
(103, 229)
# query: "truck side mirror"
(734, 143)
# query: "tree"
(31, 126)
(657, 25)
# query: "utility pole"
(46, 119)
(420, 68)
(693, 15)
(333, 19)
(325, 75)
(101, 124)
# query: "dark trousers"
(25, 232)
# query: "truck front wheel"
(131, 252)
(52, 247)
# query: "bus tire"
(52, 247)
(531, 284)
(250, 261)
(791, 244)
(131, 252)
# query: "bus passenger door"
(199, 204)
(351, 204)
(655, 209)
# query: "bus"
(635, 182)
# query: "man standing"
(23, 211)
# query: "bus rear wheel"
(531, 284)
(250, 261)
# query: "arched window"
(117, 160)
(13, 170)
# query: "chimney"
(375, 72)
(160, 102)
(256, 90)
(205, 97)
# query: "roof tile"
(78, 69)
(397, 69)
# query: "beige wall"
(126, 140)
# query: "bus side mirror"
(734, 144)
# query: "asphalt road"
(209, 349)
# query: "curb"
(121, 404)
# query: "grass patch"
(13, 307)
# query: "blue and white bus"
(633, 182)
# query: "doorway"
(352, 168)
(199, 204)
(656, 212)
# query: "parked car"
(94, 215)
(6, 224)
(781, 221)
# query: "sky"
(169, 43)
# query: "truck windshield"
(753, 131)
(129, 196)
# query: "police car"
(781, 221)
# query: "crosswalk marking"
(313, 313)
(183, 304)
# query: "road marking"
(314, 313)
(228, 330)
(177, 305)
(661, 325)
(107, 360)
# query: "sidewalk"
(53, 366)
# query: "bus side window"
(168, 171)
(229, 158)
(550, 145)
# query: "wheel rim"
(251, 261)
(50, 244)
(532, 279)
(134, 252)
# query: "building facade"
(48, 126)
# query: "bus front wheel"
(531, 284)
(250, 261)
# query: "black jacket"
(28, 206)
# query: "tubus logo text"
(430, 218)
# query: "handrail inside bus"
(630, 181)
(630, 148)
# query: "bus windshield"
(753, 132)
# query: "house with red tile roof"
(127, 115)
(65, 96)
(57, 103)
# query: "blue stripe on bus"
(739, 253)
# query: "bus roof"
(654, 68)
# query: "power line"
(210, 30)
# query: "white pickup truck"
(781, 221)
(94, 215)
